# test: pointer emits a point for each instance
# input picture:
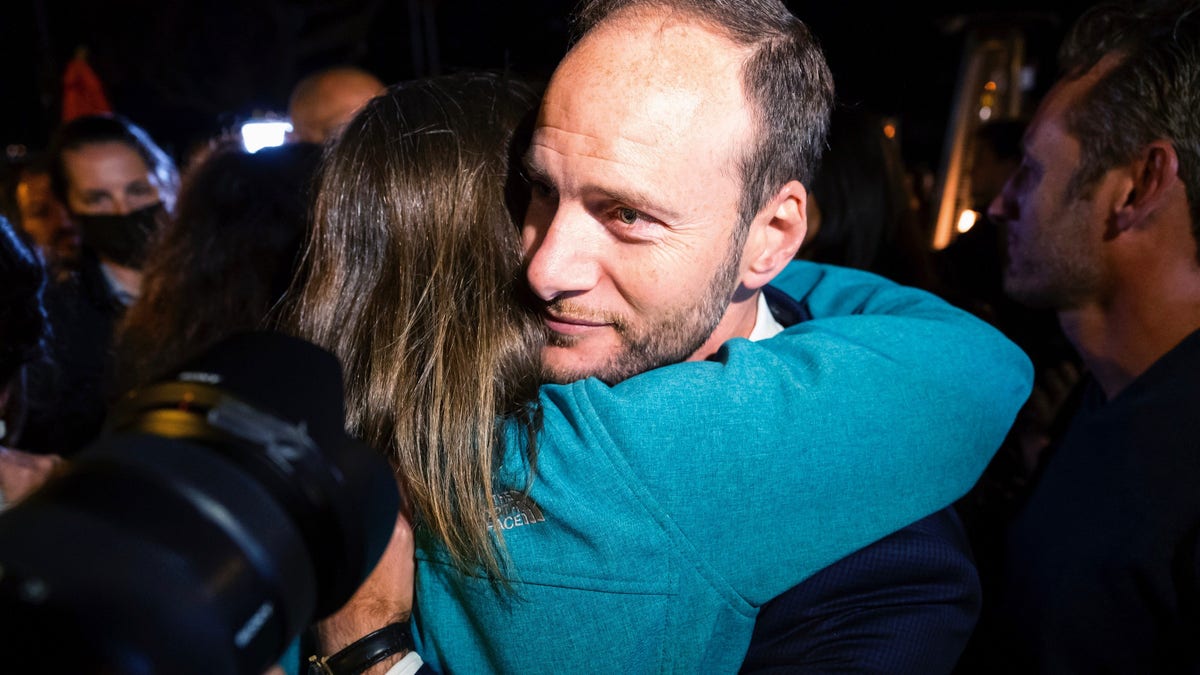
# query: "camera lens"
(223, 511)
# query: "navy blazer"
(905, 604)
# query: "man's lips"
(570, 325)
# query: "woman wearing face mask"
(118, 187)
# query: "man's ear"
(1154, 176)
(775, 235)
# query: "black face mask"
(121, 239)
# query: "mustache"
(566, 309)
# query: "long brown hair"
(410, 280)
(223, 262)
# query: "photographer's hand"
(386, 597)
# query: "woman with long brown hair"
(410, 289)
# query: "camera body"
(222, 512)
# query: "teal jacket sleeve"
(776, 458)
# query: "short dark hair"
(109, 128)
(786, 79)
(1152, 94)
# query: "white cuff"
(408, 665)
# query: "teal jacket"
(666, 509)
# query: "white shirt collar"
(765, 325)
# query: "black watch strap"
(364, 652)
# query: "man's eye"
(536, 185)
(538, 188)
(627, 215)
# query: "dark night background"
(186, 70)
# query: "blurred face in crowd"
(46, 220)
(329, 102)
(628, 237)
(1055, 232)
(108, 178)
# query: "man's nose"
(1001, 210)
(563, 257)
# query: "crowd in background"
(117, 267)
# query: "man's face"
(107, 179)
(1055, 237)
(321, 120)
(337, 99)
(628, 236)
(45, 219)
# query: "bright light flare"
(264, 134)
(966, 220)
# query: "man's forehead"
(642, 84)
(657, 49)
(638, 149)
(595, 121)
(1047, 134)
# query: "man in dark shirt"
(1102, 215)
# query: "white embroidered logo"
(514, 509)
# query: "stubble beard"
(671, 338)
(1054, 269)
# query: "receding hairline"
(660, 15)
(712, 80)
(666, 15)
(656, 18)
(672, 11)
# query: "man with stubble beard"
(667, 171)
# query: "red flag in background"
(82, 92)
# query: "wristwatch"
(364, 652)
